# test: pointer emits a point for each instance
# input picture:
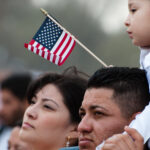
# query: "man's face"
(11, 108)
(101, 118)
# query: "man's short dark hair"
(17, 84)
(130, 86)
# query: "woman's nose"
(32, 112)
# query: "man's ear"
(134, 115)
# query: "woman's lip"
(27, 125)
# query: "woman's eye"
(48, 107)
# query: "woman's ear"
(72, 138)
(74, 132)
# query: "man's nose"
(85, 125)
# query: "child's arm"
(145, 62)
(142, 121)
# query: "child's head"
(138, 22)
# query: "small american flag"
(51, 42)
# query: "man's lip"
(84, 141)
(27, 125)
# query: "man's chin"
(87, 148)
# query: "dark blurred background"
(99, 24)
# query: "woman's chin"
(24, 136)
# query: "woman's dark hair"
(70, 83)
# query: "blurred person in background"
(3, 75)
(13, 103)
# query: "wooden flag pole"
(82, 45)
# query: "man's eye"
(98, 114)
(32, 102)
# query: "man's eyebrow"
(51, 100)
(92, 108)
(97, 106)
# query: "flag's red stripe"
(31, 42)
(43, 48)
(60, 63)
(32, 48)
(61, 43)
(25, 45)
(43, 53)
(48, 56)
(37, 51)
(37, 46)
(66, 46)
(54, 58)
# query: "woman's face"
(46, 122)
